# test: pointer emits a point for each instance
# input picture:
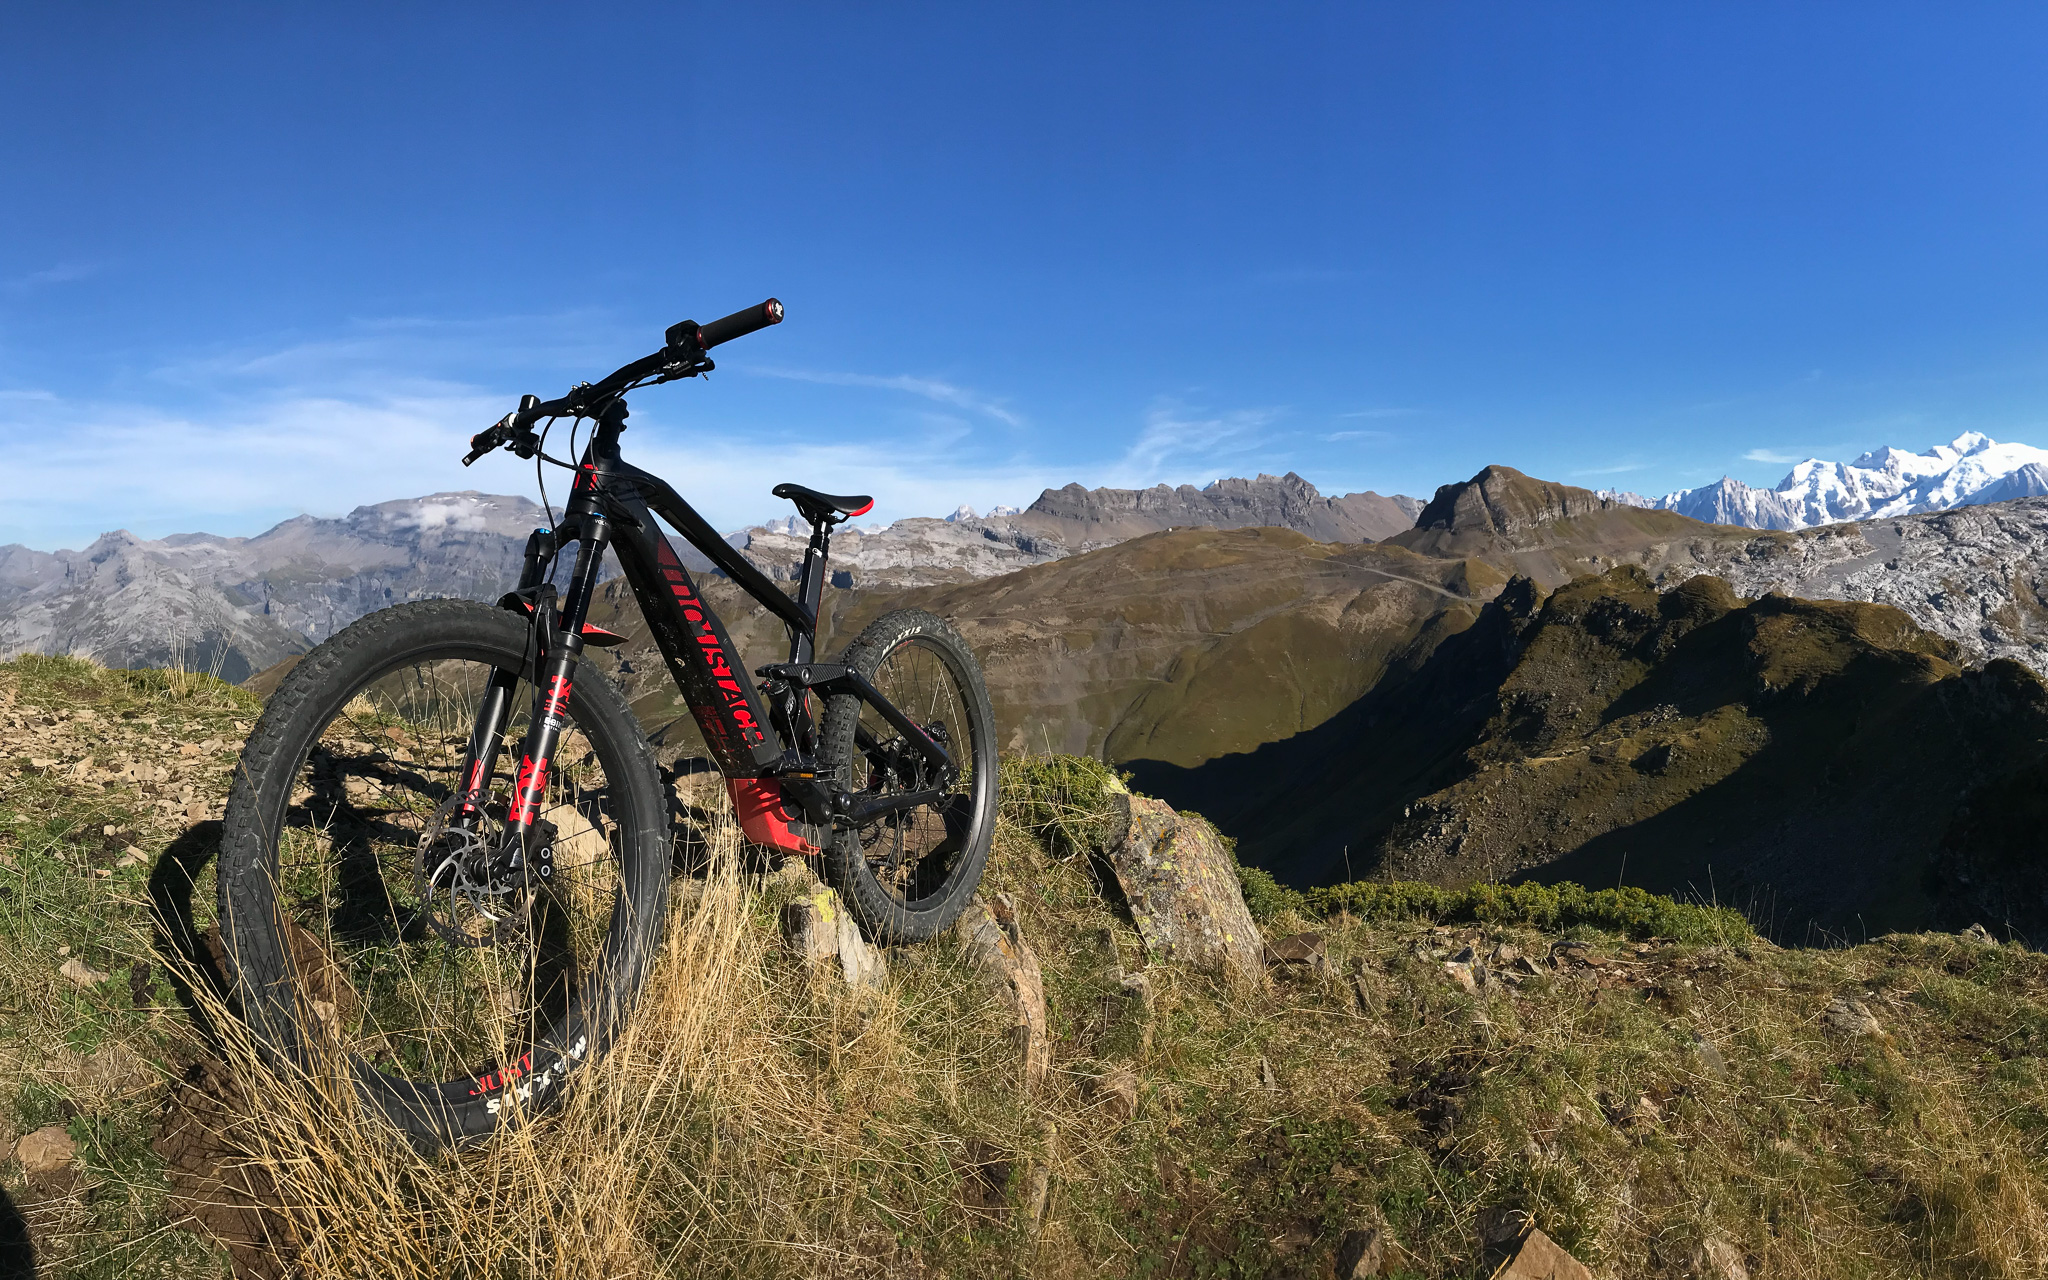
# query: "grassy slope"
(1825, 759)
(1637, 1099)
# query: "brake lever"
(506, 433)
(489, 438)
(688, 367)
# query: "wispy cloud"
(239, 470)
(1380, 413)
(1616, 469)
(62, 273)
(1774, 456)
(231, 440)
(1180, 442)
(1335, 436)
(930, 388)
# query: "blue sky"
(265, 260)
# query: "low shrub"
(1636, 912)
(1067, 803)
(1266, 897)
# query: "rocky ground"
(1096, 1077)
(1974, 575)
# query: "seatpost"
(811, 589)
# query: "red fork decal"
(533, 779)
(557, 702)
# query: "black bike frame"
(613, 505)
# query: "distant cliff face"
(965, 547)
(1099, 517)
(1976, 576)
(237, 605)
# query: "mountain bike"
(447, 847)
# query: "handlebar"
(739, 324)
(683, 357)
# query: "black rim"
(914, 853)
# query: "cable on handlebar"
(682, 357)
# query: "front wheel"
(908, 874)
(369, 925)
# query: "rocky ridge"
(1976, 575)
(966, 547)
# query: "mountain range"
(1536, 682)
(238, 605)
(1515, 679)
(1970, 470)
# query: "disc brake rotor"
(459, 897)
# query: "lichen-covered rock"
(990, 934)
(820, 929)
(1183, 893)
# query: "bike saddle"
(814, 506)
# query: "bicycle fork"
(560, 650)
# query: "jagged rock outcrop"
(965, 547)
(1501, 513)
(1087, 518)
(1977, 575)
(1181, 886)
(993, 938)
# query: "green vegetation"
(1066, 802)
(1634, 912)
(1265, 897)
(1640, 1099)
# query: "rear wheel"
(907, 875)
(371, 924)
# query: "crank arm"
(855, 814)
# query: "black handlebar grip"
(740, 323)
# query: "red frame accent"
(764, 816)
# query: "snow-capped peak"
(1887, 482)
(962, 512)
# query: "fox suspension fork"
(557, 675)
(480, 760)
